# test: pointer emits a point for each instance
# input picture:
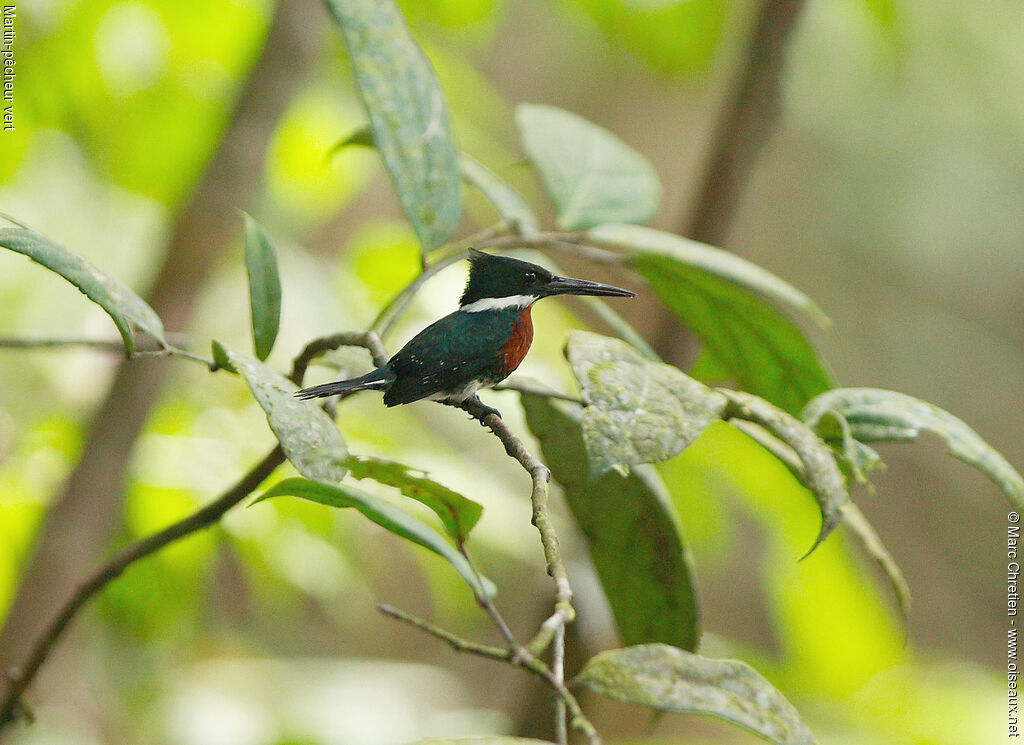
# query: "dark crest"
(501, 276)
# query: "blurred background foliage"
(892, 192)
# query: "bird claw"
(479, 410)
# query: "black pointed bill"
(570, 286)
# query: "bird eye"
(530, 277)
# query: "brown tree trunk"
(744, 127)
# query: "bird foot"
(478, 409)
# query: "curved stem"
(116, 564)
(19, 679)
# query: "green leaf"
(649, 244)
(123, 306)
(857, 523)
(675, 681)
(631, 528)
(712, 292)
(457, 513)
(362, 137)
(763, 351)
(509, 203)
(386, 515)
(876, 415)
(590, 174)
(307, 435)
(671, 36)
(640, 411)
(408, 116)
(264, 287)
(854, 520)
(821, 474)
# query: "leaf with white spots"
(876, 415)
(124, 307)
(408, 115)
(640, 411)
(821, 473)
(632, 531)
(309, 437)
(672, 680)
(723, 299)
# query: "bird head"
(503, 282)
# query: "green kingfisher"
(478, 345)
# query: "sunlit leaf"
(675, 681)
(590, 174)
(876, 415)
(640, 411)
(124, 307)
(309, 437)
(821, 474)
(509, 203)
(264, 287)
(631, 528)
(672, 36)
(457, 513)
(362, 137)
(386, 515)
(407, 114)
(854, 520)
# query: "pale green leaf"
(309, 437)
(632, 532)
(640, 411)
(386, 515)
(457, 513)
(646, 243)
(123, 306)
(407, 114)
(590, 174)
(857, 523)
(721, 300)
(264, 287)
(675, 681)
(509, 203)
(821, 472)
(876, 415)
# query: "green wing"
(449, 354)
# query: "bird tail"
(379, 379)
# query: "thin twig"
(558, 670)
(527, 662)
(536, 389)
(116, 564)
(12, 705)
